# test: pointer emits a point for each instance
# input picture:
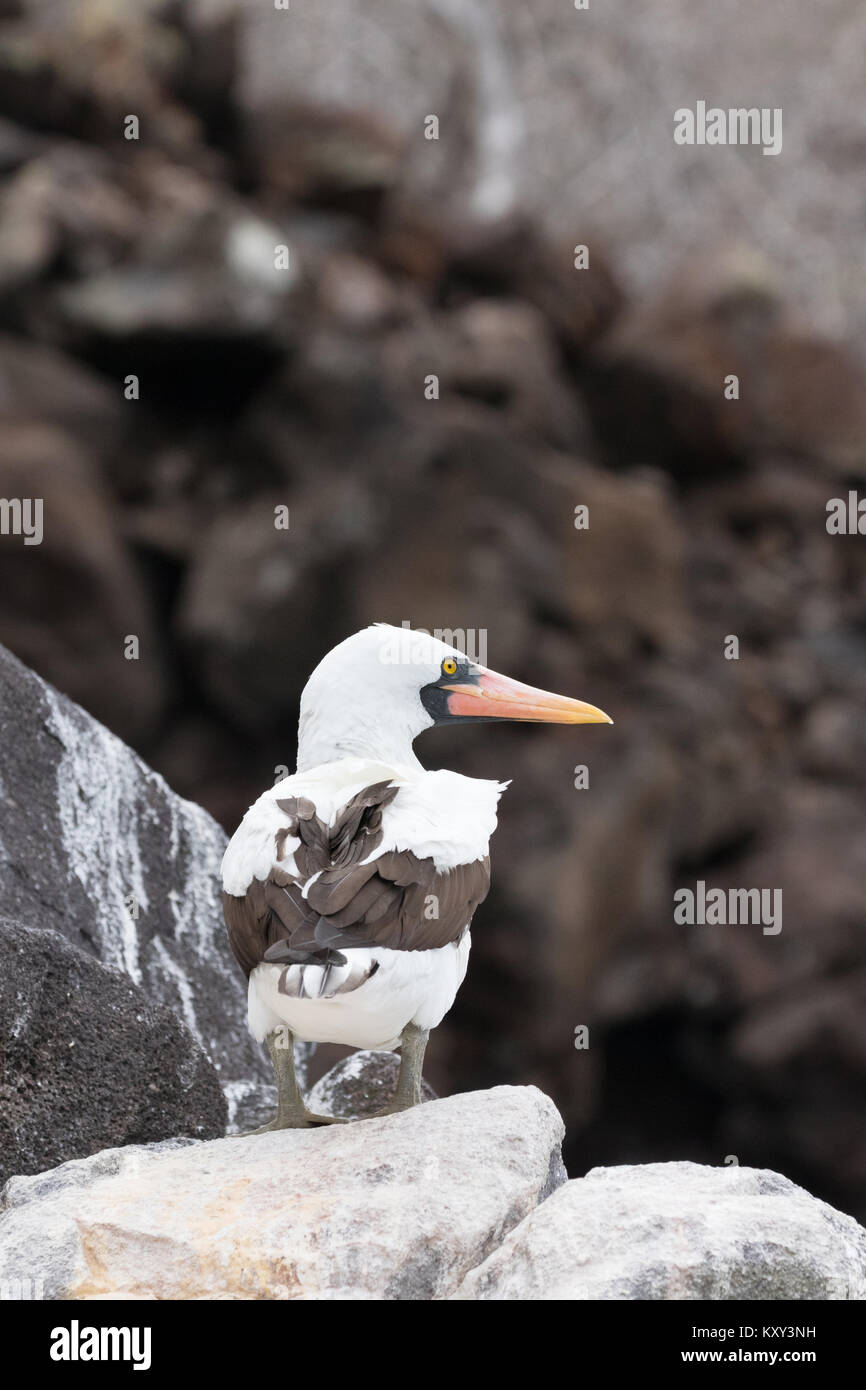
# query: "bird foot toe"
(297, 1119)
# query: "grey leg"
(291, 1111)
(408, 1090)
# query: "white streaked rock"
(97, 847)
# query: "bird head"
(374, 693)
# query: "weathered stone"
(203, 266)
(395, 1208)
(88, 1061)
(677, 1231)
(532, 114)
(94, 845)
(359, 1085)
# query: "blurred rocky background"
(303, 387)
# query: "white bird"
(350, 885)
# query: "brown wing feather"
(398, 900)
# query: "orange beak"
(497, 697)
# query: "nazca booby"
(350, 885)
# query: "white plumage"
(416, 987)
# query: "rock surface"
(360, 1085)
(88, 1061)
(95, 846)
(571, 112)
(80, 574)
(397, 1208)
(677, 1231)
(463, 1199)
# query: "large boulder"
(394, 1208)
(95, 846)
(88, 1061)
(661, 392)
(677, 1231)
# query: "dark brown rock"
(249, 614)
(657, 384)
(81, 576)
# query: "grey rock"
(219, 280)
(95, 846)
(677, 1231)
(360, 1085)
(88, 1060)
(572, 113)
(395, 1208)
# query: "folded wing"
(329, 895)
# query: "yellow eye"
(449, 666)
